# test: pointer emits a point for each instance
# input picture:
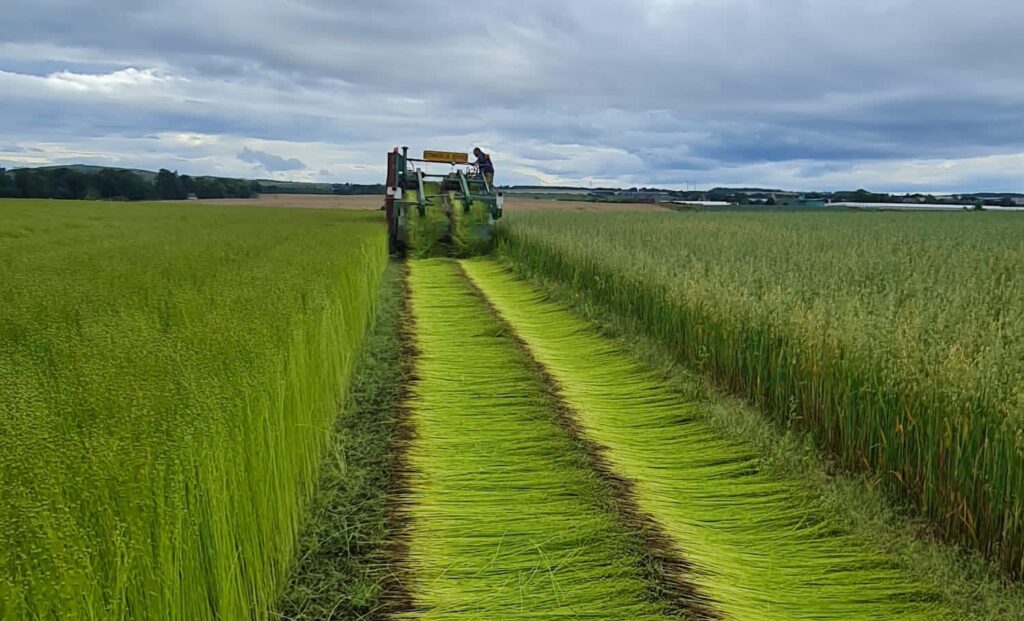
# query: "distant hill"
(83, 181)
(743, 191)
(149, 176)
(267, 186)
(992, 195)
(87, 169)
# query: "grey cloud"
(541, 154)
(654, 91)
(269, 161)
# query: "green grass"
(505, 520)
(760, 546)
(343, 568)
(169, 378)
(896, 340)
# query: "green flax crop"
(428, 235)
(505, 520)
(896, 340)
(446, 228)
(343, 568)
(168, 380)
(760, 549)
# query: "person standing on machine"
(486, 166)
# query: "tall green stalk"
(343, 567)
(168, 380)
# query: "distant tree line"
(171, 185)
(360, 189)
(768, 197)
(118, 184)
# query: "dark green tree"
(114, 183)
(7, 189)
(242, 190)
(210, 187)
(28, 184)
(168, 185)
(188, 184)
(65, 183)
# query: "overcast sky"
(805, 94)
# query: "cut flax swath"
(471, 234)
(758, 546)
(505, 520)
(896, 340)
(666, 566)
(446, 227)
(428, 234)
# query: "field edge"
(344, 567)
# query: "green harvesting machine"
(449, 213)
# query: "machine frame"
(464, 181)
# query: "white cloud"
(123, 80)
(188, 139)
(930, 175)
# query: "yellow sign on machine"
(446, 157)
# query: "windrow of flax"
(759, 547)
(896, 340)
(504, 519)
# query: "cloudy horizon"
(894, 95)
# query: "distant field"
(302, 201)
(512, 204)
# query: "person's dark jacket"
(485, 164)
